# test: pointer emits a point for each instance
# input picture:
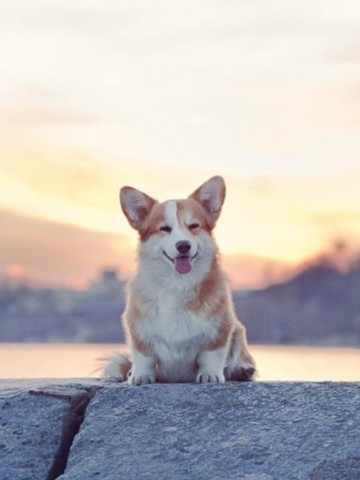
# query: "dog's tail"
(116, 366)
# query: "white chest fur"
(175, 333)
(169, 322)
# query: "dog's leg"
(143, 369)
(211, 365)
(240, 365)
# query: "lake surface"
(82, 360)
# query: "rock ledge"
(84, 429)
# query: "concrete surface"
(87, 429)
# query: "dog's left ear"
(211, 196)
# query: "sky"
(161, 96)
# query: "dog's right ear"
(136, 206)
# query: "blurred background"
(96, 94)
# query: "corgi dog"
(179, 319)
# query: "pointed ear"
(211, 196)
(136, 206)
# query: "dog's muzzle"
(182, 263)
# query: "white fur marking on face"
(178, 233)
(171, 214)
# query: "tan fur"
(152, 223)
(136, 308)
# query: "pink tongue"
(182, 264)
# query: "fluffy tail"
(117, 366)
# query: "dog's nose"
(183, 246)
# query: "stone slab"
(30, 429)
(33, 415)
(247, 431)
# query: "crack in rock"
(78, 403)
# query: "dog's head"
(176, 231)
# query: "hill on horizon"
(318, 306)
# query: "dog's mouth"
(182, 263)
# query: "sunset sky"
(96, 94)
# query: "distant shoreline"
(275, 363)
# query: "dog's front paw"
(141, 379)
(207, 377)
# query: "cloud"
(33, 114)
(74, 187)
(161, 98)
(251, 271)
(258, 78)
(53, 253)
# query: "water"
(274, 362)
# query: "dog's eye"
(165, 228)
(194, 226)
